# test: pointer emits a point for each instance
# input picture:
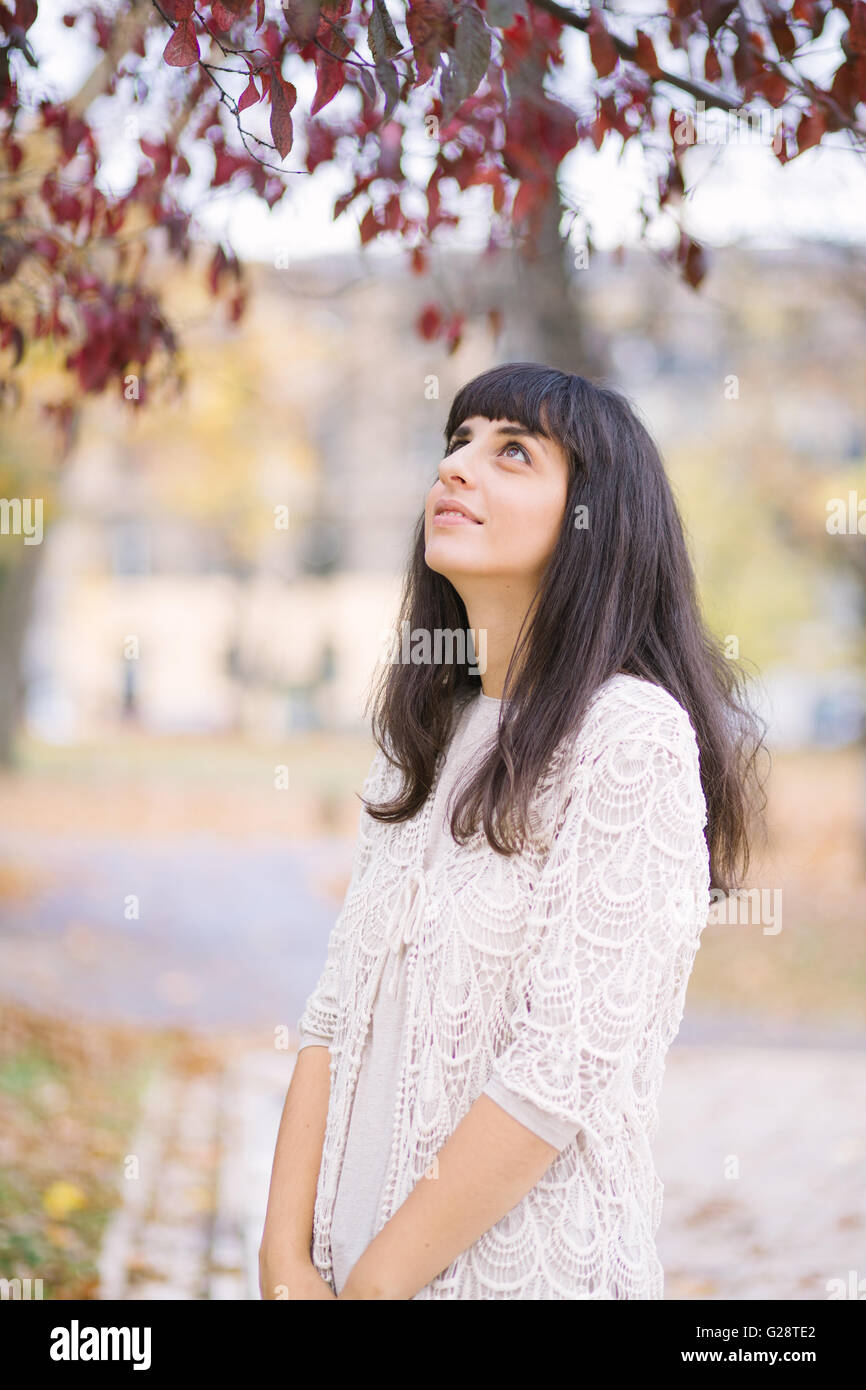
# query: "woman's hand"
(290, 1276)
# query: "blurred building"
(154, 612)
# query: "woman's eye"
(513, 444)
(456, 443)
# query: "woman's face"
(515, 484)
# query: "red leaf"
(369, 227)
(819, 13)
(160, 154)
(67, 208)
(215, 269)
(226, 166)
(599, 128)
(783, 37)
(302, 20)
(331, 73)
(432, 29)
(249, 96)
(222, 18)
(529, 194)
(11, 336)
(182, 48)
(455, 333)
(693, 260)
(646, 54)
(283, 98)
(429, 322)
(289, 91)
(715, 12)
(320, 145)
(25, 13)
(220, 265)
(237, 8)
(601, 46)
(46, 247)
(10, 259)
(848, 87)
(773, 86)
(712, 66)
(857, 29)
(393, 213)
(745, 62)
(810, 129)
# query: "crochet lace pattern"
(559, 973)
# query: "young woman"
(473, 1102)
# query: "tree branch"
(702, 91)
(125, 33)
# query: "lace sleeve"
(318, 1021)
(614, 925)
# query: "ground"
(163, 915)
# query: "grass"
(320, 762)
(814, 969)
(133, 785)
(69, 1104)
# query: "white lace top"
(553, 980)
(368, 1144)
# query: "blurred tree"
(32, 452)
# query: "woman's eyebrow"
(501, 429)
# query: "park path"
(189, 1223)
(762, 1151)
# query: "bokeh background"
(184, 736)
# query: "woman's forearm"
(298, 1155)
(490, 1162)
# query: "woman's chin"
(450, 565)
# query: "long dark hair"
(617, 596)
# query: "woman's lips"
(454, 519)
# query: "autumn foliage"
(468, 84)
